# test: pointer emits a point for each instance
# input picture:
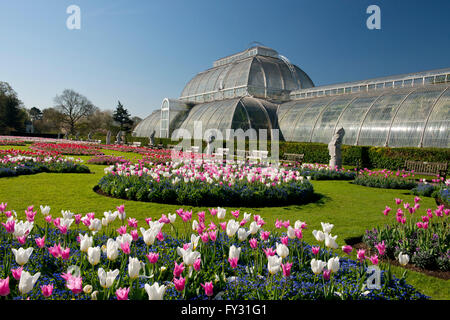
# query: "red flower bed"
(68, 148)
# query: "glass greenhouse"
(260, 89)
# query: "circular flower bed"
(206, 183)
(85, 257)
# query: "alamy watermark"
(73, 22)
(374, 20)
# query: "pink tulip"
(201, 216)
(315, 250)
(134, 234)
(208, 286)
(197, 264)
(3, 206)
(8, 214)
(361, 254)
(160, 236)
(56, 250)
(47, 290)
(286, 269)
(386, 210)
(57, 222)
(223, 226)
(278, 224)
(4, 287)
(132, 222)
(75, 284)
(284, 240)
(286, 224)
(125, 246)
(381, 247)
(233, 262)
(62, 229)
(212, 226)
(16, 273)
(347, 249)
(22, 240)
(213, 235)
(425, 218)
(122, 293)
(253, 243)
(179, 283)
(178, 269)
(374, 259)
(30, 215)
(77, 218)
(213, 212)
(121, 208)
(235, 213)
(122, 230)
(417, 199)
(9, 226)
(265, 235)
(147, 220)
(204, 237)
(269, 252)
(298, 233)
(326, 274)
(48, 219)
(65, 253)
(164, 219)
(398, 201)
(152, 257)
(243, 222)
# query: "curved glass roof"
(146, 126)
(261, 74)
(406, 117)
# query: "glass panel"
(324, 129)
(409, 123)
(438, 127)
(375, 128)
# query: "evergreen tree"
(122, 117)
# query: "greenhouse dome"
(260, 89)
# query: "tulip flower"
(253, 243)
(315, 250)
(125, 247)
(155, 291)
(94, 255)
(233, 262)
(319, 235)
(3, 206)
(282, 250)
(208, 286)
(88, 289)
(75, 284)
(22, 255)
(27, 281)
(122, 293)
(179, 283)
(86, 242)
(286, 269)
(326, 274)
(232, 228)
(274, 264)
(330, 242)
(381, 247)
(347, 249)
(243, 234)
(317, 266)
(47, 290)
(361, 254)
(269, 252)
(4, 286)
(333, 264)
(65, 253)
(107, 278)
(16, 273)
(122, 230)
(9, 225)
(374, 259)
(152, 257)
(134, 267)
(326, 227)
(178, 269)
(197, 264)
(265, 235)
(403, 259)
(234, 252)
(40, 242)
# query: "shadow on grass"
(353, 240)
(317, 199)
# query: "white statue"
(334, 148)
(108, 137)
(209, 147)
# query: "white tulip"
(125, 238)
(27, 281)
(149, 235)
(254, 227)
(274, 264)
(298, 224)
(232, 228)
(189, 256)
(95, 226)
(87, 289)
(319, 235)
(221, 213)
(317, 266)
(155, 291)
(234, 252)
(172, 217)
(403, 259)
(291, 233)
(22, 255)
(107, 278)
(247, 216)
(67, 214)
(333, 264)
(243, 234)
(85, 242)
(45, 210)
(134, 266)
(194, 225)
(330, 241)
(194, 241)
(326, 227)
(94, 255)
(22, 228)
(282, 250)
(112, 249)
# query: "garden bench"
(258, 156)
(136, 144)
(427, 168)
(220, 152)
(241, 154)
(293, 158)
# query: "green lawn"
(351, 208)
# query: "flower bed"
(85, 257)
(324, 172)
(108, 160)
(425, 238)
(24, 165)
(439, 190)
(12, 143)
(68, 148)
(385, 179)
(207, 184)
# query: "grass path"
(351, 208)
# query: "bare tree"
(74, 107)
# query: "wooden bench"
(427, 168)
(136, 144)
(293, 158)
(258, 156)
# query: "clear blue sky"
(139, 52)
